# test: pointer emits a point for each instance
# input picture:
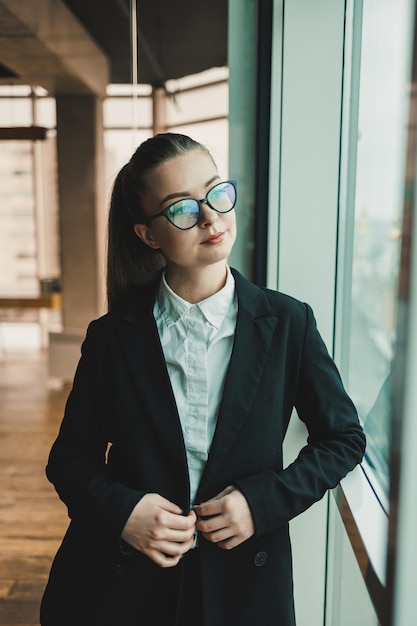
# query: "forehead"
(189, 173)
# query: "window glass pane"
(119, 146)
(17, 220)
(198, 104)
(119, 112)
(15, 90)
(215, 136)
(378, 180)
(15, 111)
(128, 89)
(213, 75)
(348, 601)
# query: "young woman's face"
(188, 176)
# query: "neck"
(197, 285)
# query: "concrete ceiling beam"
(44, 44)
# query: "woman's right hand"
(158, 528)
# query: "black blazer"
(122, 394)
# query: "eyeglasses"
(184, 214)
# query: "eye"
(184, 213)
(222, 196)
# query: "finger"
(190, 519)
(177, 522)
(211, 524)
(180, 536)
(164, 560)
(174, 548)
(211, 507)
(174, 535)
(220, 495)
(230, 543)
(218, 535)
(171, 549)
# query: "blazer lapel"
(254, 330)
(143, 353)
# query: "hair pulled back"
(129, 260)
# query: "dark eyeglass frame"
(165, 211)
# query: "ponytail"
(129, 260)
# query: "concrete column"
(82, 216)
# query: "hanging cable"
(134, 60)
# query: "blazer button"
(260, 558)
(122, 569)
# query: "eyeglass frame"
(164, 212)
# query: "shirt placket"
(197, 390)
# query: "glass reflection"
(378, 214)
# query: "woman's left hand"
(226, 519)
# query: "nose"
(207, 214)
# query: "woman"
(169, 457)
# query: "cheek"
(233, 225)
(173, 244)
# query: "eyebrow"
(181, 194)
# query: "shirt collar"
(214, 308)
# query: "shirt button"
(260, 558)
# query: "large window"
(28, 205)
(378, 177)
(29, 251)
(377, 80)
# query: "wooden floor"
(32, 518)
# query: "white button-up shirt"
(197, 341)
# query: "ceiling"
(80, 46)
(175, 37)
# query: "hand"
(226, 519)
(158, 528)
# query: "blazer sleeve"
(77, 464)
(335, 443)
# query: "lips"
(216, 238)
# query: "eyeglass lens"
(184, 214)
